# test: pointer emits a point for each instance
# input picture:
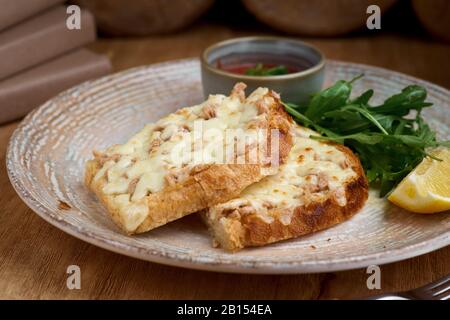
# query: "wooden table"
(34, 255)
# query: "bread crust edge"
(208, 186)
(251, 230)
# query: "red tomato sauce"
(243, 67)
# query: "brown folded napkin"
(14, 11)
(23, 92)
(41, 38)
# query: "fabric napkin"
(13, 11)
(27, 90)
(40, 39)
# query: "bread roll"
(434, 16)
(144, 17)
(315, 18)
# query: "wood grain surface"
(34, 255)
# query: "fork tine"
(438, 289)
(436, 283)
(445, 297)
(441, 289)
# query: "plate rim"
(185, 260)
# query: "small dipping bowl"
(305, 62)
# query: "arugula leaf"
(411, 97)
(303, 119)
(367, 115)
(328, 99)
(363, 98)
(389, 144)
(360, 137)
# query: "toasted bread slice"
(320, 185)
(174, 167)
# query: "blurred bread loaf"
(144, 17)
(314, 18)
(434, 16)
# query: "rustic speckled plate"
(47, 152)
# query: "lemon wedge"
(427, 188)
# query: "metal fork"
(437, 290)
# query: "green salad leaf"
(261, 70)
(388, 138)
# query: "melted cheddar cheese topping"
(314, 171)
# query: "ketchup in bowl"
(259, 69)
(252, 66)
(290, 67)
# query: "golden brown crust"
(206, 186)
(252, 230)
(212, 185)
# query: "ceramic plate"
(47, 152)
